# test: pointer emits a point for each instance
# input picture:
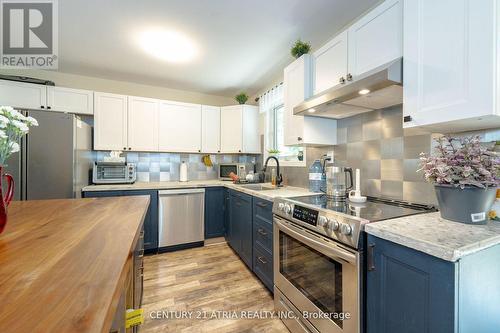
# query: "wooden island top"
(63, 262)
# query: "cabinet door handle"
(349, 77)
(124, 148)
(42, 107)
(262, 204)
(371, 261)
(262, 232)
(261, 259)
(299, 138)
(48, 107)
(141, 253)
(342, 80)
(129, 148)
(407, 119)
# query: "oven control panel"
(306, 215)
(331, 224)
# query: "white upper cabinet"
(210, 129)
(70, 100)
(376, 38)
(330, 63)
(110, 121)
(450, 69)
(372, 41)
(231, 129)
(180, 127)
(142, 124)
(303, 130)
(296, 88)
(23, 95)
(251, 138)
(240, 129)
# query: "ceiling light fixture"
(311, 110)
(167, 45)
(363, 91)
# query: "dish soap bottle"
(494, 213)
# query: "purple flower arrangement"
(461, 162)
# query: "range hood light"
(311, 110)
(364, 91)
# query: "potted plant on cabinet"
(465, 175)
(300, 48)
(13, 126)
(241, 98)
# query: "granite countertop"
(286, 191)
(431, 234)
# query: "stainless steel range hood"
(377, 89)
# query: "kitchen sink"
(258, 187)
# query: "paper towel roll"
(183, 172)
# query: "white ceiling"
(243, 44)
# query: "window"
(275, 138)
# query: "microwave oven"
(239, 169)
(113, 173)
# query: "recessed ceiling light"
(311, 110)
(167, 45)
(364, 91)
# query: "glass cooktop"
(374, 209)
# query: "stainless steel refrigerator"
(55, 158)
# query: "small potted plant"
(465, 175)
(300, 48)
(241, 98)
(273, 152)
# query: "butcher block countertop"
(63, 263)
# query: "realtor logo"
(29, 34)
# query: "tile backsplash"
(387, 156)
(155, 167)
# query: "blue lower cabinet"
(240, 225)
(408, 291)
(151, 219)
(263, 266)
(263, 241)
(214, 212)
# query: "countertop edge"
(434, 250)
(290, 191)
(412, 239)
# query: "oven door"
(318, 276)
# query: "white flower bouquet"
(13, 126)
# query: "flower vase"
(5, 199)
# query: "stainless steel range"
(319, 259)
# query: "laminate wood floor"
(206, 281)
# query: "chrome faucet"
(279, 177)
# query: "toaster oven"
(113, 173)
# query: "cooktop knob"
(322, 221)
(288, 208)
(333, 225)
(345, 229)
(281, 206)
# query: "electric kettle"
(338, 182)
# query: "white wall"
(122, 87)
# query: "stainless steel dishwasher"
(181, 217)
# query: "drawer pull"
(262, 204)
(141, 253)
(262, 232)
(261, 259)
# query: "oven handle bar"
(329, 249)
